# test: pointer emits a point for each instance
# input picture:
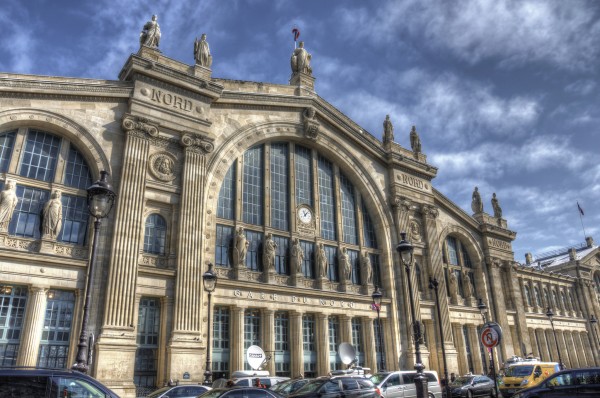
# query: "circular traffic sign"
(490, 337)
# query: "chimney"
(528, 258)
(572, 254)
(589, 241)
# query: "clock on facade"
(305, 214)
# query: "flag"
(580, 209)
(375, 307)
(296, 33)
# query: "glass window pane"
(452, 250)
(253, 257)
(224, 246)
(220, 360)
(303, 170)
(281, 255)
(308, 264)
(146, 355)
(279, 187)
(332, 258)
(7, 141)
(326, 199)
(40, 154)
(75, 219)
(355, 263)
(253, 186)
(369, 238)
(56, 333)
(77, 173)
(26, 217)
(252, 331)
(226, 204)
(348, 211)
(155, 235)
(13, 301)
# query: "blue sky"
(505, 94)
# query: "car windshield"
(461, 381)
(311, 386)
(519, 371)
(378, 378)
(214, 393)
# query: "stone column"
(345, 329)
(475, 351)
(564, 353)
(534, 347)
(369, 344)
(544, 347)
(237, 334)
(575, 354)
(296, 343)
(32, 329)
(498, 310)
(188, 349)
(115, 359)
(587, 349)
(322, 329)
(268, 338)
(552, 349)
(166, 313)
(433, 346)
(459, 343)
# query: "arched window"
(294, 192)
(565, 304)
(597, 282)
(457, 259)
(538, 298)
(155, 235)
(555, 300)
(528, 296)
(36, 157)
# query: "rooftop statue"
(202, 52)
(415, 141)
(476, 204)
(150, 35)
(300, 60)
(496, 207)
(388, 130)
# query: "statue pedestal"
(322, 283)
(345, 286)
(305, 83)
(47, 245)
(270, 276)
(297, 278)
(202, 72)
(152, 53)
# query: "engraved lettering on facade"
(171, 100)
(413, 182)
(499, 244)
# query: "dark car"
(49, 383)
(185, 391)
(567, 383)
(473, 386)
(241, 392)
(288, 387)
(338, 387)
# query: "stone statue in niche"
(388, 130)
(52, 216)
(467, 285)
(300, 60)
(297, 256)
(150, 35)
(269, 252)
(367, 268)
(202, 52)
(453, 284)
(8, 203)
(346, 264)
(415, 141)
(322, 261)
(240, 248)
(496, 206)
(476, 203)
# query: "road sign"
(491, 335)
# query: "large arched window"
(457, 265)
(155, 235)
(293, 192)
(538, 298)
(528, 296)
(40, 162)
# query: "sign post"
(491, 335)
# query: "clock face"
(305, 215)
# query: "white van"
(401, 383)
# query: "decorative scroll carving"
(139, 125)
(311, 125)
(430, 211)
(310, 283)
(71, 251)
(162, 166)
(22, 244)
(223, 272)
(197, 143)
(401, 203)
(282, 280)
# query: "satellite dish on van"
(347, 353)
(255, 356)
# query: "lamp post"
(483, 309)
(550, 315)
(376, 296)
(433, 284)
(406, 255)
(100, 199)
(593, 321)
(209, 279)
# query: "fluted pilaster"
(32, 330)
(296, 343)
(322, 328)
(475, 351)
(269, 337)
(369, 343)
(237, 334)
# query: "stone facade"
(170, 134)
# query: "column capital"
(430, 211)
(401, 203)
(139, 126)
(196, 143)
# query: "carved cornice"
(196, 143)
(430, 211)
(139, 126)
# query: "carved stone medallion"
(415, 231)
(162, 166)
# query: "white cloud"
(513, 32)
(581, 87)
(18, 39)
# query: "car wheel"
(431, 395)
(469, 394)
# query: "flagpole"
(580, 211)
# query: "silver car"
(401, 384)
(184, 391)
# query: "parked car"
(401, 383)
(288, 387)
(525, 374)
(184, 391)
(473, 386)
(241, 392)
(246, 378)
(567, 383)
(50, 383)
(338, 387)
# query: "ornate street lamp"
(376, 296)
(483, 309)
(593, 321)
(550, 315)
(433, 284)
(101, 199)
(406, 254)
(209, 279)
